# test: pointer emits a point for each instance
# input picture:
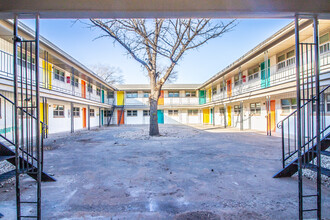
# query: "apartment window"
(237, 109)
(173, 112)
(222, 110)
(107, 113)
(173, 94)
(253, 73)
(98, 91)
(193, 112)
(132, 113)
(59, 75)
(324, 44)
(91, 112)
(236, 80)
(222, 87)
(90, 88)
(191, 94)
(58, 110)
(214, 90)
(111, 95)
(131, 94)
(76, 111)
(324, 103)
(146, 112)
(255, 108)
(288, 105)
(286, 59)
(146, 94)
(74, 81)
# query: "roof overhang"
(163, 8)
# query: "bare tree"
(108, 73)
(160, 42)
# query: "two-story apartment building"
(258, 90)
(72, 96)
(255, 92)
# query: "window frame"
(76, 110)
(237, 107)
(98, 91)
(253, 73)
(130, 113)
(256, 111)
(173, 112)
(75, 82)
(192, 112)
(146, 113)
(91, 112)
(58, 73)
(290, 107)
(190, 93)
(173, 94)
(131, 95)
(58, 111)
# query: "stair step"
(313, 167)
(326, 153)
(7, 175)
(2, 158)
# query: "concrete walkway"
(121, 173)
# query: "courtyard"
(186, 173)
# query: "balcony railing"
(280, 73)
(6, 71)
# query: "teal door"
(160, 115)
(265, 75)
(211, 116)
(202, 97)
(101, 117)
(102, 96)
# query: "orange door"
(229, 88)
(271, 116)
(84, 117)
(161, 98)
(120, 117)
(83, 89)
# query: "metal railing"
(289, 133)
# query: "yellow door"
(43, 115)
(161, 98)
(206, 116)
(120, 98)
(47, 75)
(210, 95)
(229, 115)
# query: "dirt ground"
(187, 173)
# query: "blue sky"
(196, 66)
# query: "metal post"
(89, 118)
(300, 189)
(241, 115)
(318, 110)
(16, 117)
(224, 115)
(213, 117)
(38, 118)
(99, 117)
(72, 119)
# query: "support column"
(225, 115)
(100, 117)
(318, 110)
(241, 115)
(89, 117)
(72, 119)
(298, 124)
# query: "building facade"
(255, 92)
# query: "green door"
(202, 97)
(160, 115)
(265, 75)
(102, 96)
(101, 117)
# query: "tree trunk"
(153, 127)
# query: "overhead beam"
(164, 8)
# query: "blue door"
(265, 75)
(102, 96)
(160, 115)
(211, 116)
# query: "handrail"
(292, 113)
(22, 109)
